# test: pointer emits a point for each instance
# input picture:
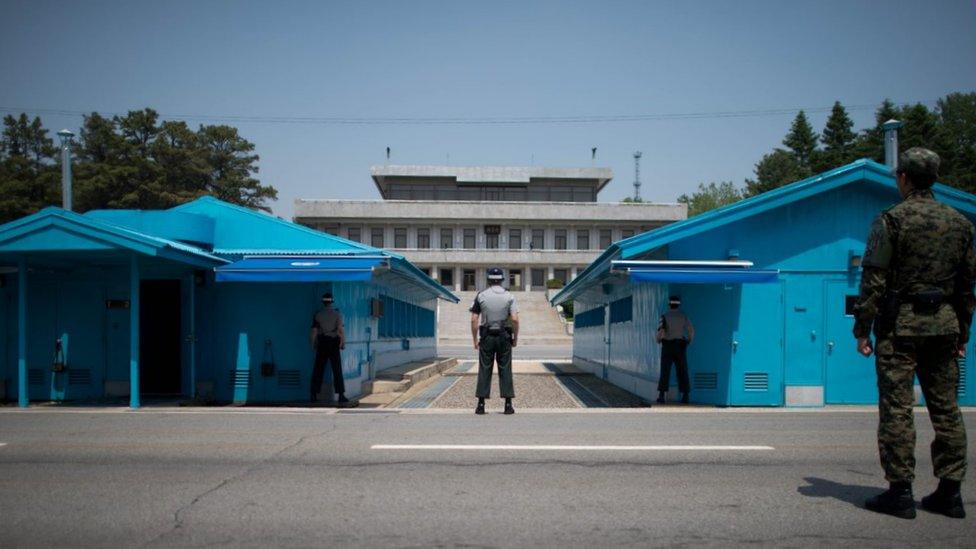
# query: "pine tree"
(801, 140)
(776, 169)
(838, 140)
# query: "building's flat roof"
(504, 175)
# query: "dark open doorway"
(160, 364)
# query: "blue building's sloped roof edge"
(321, 243)
(95, 226)
(858, 170)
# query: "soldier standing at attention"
(328, 337)
(493, 339)
(674, 332)
(917, 290)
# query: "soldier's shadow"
(848, 493)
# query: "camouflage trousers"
(933, 359)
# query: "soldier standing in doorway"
(492, 312)
(917, 291)
(328, 338)
(674, 332)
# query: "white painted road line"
(544, 447)
(3, 443)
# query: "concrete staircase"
(538, 322)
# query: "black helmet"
(495, 273)
(327, 298)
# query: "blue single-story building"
(195, 301)
(769, 283)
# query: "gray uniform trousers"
(495, 348)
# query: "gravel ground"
(531, 391)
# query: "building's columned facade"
(434, 223)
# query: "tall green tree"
(956, 114)
(870, 142)
(801, 140)
(29, 177)
(232, 166)
(711, 196)
(838, 139)
(776, 169)
(131, 161)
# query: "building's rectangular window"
(376, 237)
(447, 239)
(538, 239)
(355, 234)
(538, 194)
(583, 239)
(447, 277)
(470, 239)
(423, 238)
(400, 237)
(515, 239)
(561, 275)
(494, 194)
(491, 241)
(561, 194)
(582, 194)
(561, 239)
(606, 238)
(538, 279)
(515, 195)
(626, 233)
(330, 228)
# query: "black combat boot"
(342, 399)
(684, 398)
(945, 500)
(896, 501)
(508, 407)
(661, 397)
(480, 410)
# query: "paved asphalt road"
(274, 477)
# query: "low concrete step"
(393, 382)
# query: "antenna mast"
(637, 182)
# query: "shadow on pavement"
(848, 493)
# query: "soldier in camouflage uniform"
(917, 291)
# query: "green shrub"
(554, 284)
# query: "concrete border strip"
(573, 447)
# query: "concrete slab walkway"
(538, 385)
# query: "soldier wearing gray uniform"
(674, 332)
(328, 338)
(917, 292)
(494, 328)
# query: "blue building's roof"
(205, 232)
(55, 229)
(639, 245)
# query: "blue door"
(849, 377)
(757, 347)
(81, 328)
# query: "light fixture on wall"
(853, 260)
(733, 253)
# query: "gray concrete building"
(455, 222)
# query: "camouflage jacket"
(919, 245)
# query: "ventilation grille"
(79, 377)
(289, 378)
(705, 381)
(962, 378)
(756, 381)
(240, 379)
(35, 376)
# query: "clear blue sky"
(487, 59)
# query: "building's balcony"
(453, 212)
(498, 256)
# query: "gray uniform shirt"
(495, 305)
(675, 324)
(328, 321)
